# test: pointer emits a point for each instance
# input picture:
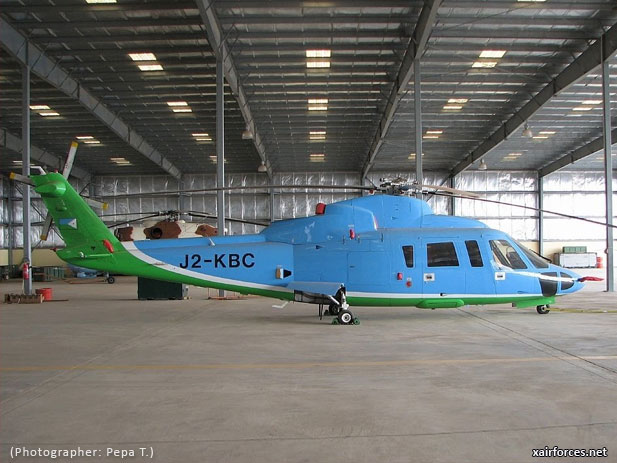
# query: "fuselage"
(443, 262)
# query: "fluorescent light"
(318, 64)
(92, 142)
(150, 67)
(49, 113)
(317, 137)
(318, 101)
(317, 157)
(592, 102)
(531, 1)
(458, 100)
(318, 53)
(100, 1)
(39, 107)
(582, 108)
(200, 134)
(540, 137)
(438, 132)
(547, 132)
(413, 155)
(18, 162)
(177, 103)
(453, 107)
(142, 56)
(515, 154)
(318, 108)
(182, 110)
(84, 137)
(203, 139)
(484, 64)
(492, 53)
(317, 132)
(431, 137)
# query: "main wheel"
(333, 309)
(542, 309)
(345, 317)
(111, 280)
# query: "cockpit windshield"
(537, 260)
(506, 255)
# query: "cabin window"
(506, 255)
(475, 258)
(408, 253)
(536, 259)
(441, 255)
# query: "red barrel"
(46, 292)
(599, 262)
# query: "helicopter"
(375, 250)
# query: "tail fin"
(84, 233)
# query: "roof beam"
(581, 66)
(415, 49)
(51, 72)
(576, 155)
(13, 143)
(218, 43)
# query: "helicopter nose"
(570, 281)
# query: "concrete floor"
(238, 381)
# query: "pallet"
(23, 299)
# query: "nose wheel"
(542, 309)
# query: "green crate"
(574, 249)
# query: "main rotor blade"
(230, 219)
(531, 208)
(242, 187)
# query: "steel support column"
(271, 205)
(608, 174)
(417, 94)
(220, 150)
(452, 184)
(11, 227)
(25, 168)
(540, 215)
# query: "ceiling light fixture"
(458, 100)
(527, 131)
(582, 108)
(177, 103)
(482, 165)
(145, 56)
(484, 64)
(202, 134)
(49, 113)
(150, 67)
(453, 107)
(84, 137)
(262, 169)
(39, 107)
(492, 53)
(182, 110)
(318, 53)
(318, 64)
(434, 132)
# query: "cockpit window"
(475, 258)
(536, 260)
(506, 255)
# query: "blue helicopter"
(377, 250)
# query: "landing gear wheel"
(356, 321)
(333, 309)
(345, 317)
(542, 309)
(111, 280)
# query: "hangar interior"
(513, 100)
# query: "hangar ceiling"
(319, 78)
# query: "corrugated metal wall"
(578, 193)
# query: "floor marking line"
(299, 365)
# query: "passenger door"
(442, 273)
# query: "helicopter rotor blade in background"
(531, 208)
